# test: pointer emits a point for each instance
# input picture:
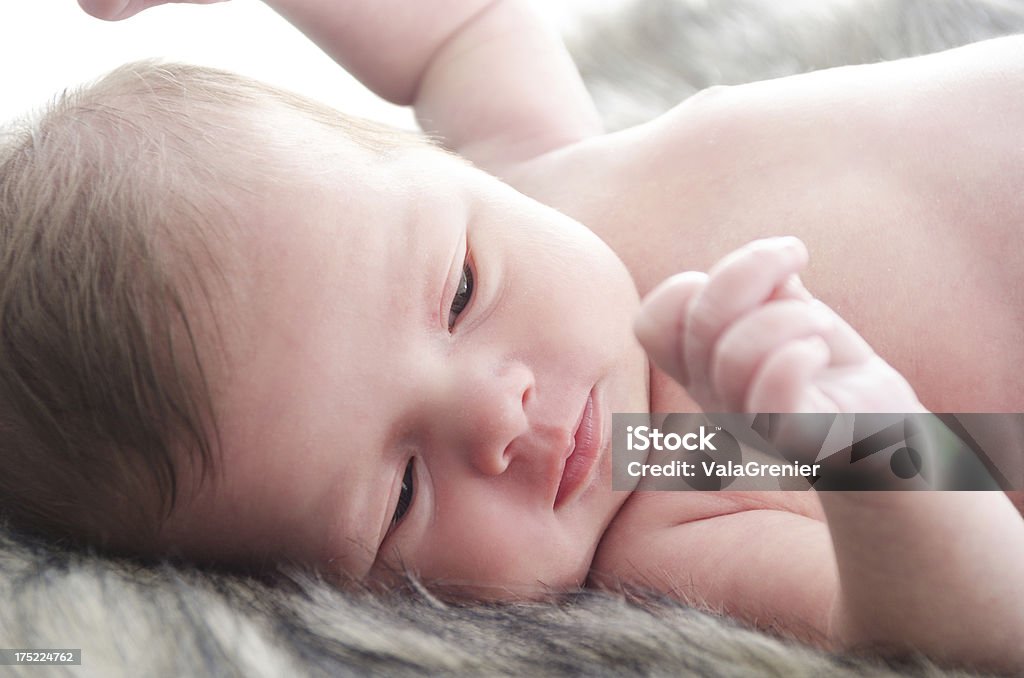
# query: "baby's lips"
(660, 324)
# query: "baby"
(379, 359)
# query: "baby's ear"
(661, 323)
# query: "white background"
(47, 45)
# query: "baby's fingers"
(116, 10)
(748, 342)
(111, 10)
(661, 322)
(844, 342)
(739, 283)
(784, 383)
(787, 384)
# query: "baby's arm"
(489, 77)
(938, 572)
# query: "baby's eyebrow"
(435, 237)
(393, 453)
(351, 542)
(449, 273)
(385, 522)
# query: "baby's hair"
(110, 201)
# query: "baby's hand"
(748, 337)
(115, 10)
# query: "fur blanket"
(132, 619)
(649, 55)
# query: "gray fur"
(132, 620)
(649, 55)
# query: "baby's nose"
(491, 414)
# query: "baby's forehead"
(290, 123)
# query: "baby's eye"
(462, 295)
(405, 496)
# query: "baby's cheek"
(517, 561)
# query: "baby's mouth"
(585, 451)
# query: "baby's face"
(412, 351)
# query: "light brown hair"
(109, 202)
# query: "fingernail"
(795, 286)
